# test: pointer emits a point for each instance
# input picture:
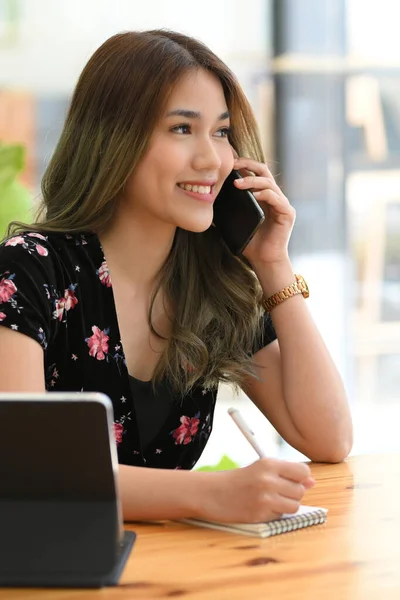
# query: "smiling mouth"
(197, 189)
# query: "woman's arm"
(152, 494)
(301, 393)
(21, 363)
(259, 492)
(300, 390)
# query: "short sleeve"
(27, 285)
(267, 334)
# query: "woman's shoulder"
(42, 273)
(45, 244)
(51, 257)
(25, 247)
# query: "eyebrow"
(193, 114)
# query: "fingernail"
(256, 194)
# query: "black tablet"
(60, 517)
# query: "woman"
(124, 287)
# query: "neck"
(136, 247)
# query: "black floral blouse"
(56, 289)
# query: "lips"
(200, 191)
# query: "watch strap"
(297, 287)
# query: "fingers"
(284, 495)
(287, 496)
(309, 483)
(294, 471)
(252, 165)
(291, 490)
(265, 189)
(266, 489)
(281, 504)
(257, 183)
(297, 472)
(284, 484)
(277, 201)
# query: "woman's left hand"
(270, 243)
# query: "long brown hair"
(116, 103)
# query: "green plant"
(225, 464)
(15, 200)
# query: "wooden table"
(355, 555)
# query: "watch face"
(303, 286)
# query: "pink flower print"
(98, 343)
(14, 241)
(118, 431)
(2, 316)
(59, 310)
(37, 235)
(70, 299)
(66, 303)
(188, 428)
(104, 274)
(41, 250)
(7, 289)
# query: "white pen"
(247, 432)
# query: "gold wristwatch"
(298, 287)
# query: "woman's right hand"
(260, 492)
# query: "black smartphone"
(237, 214)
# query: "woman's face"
(188, 157)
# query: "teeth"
(200, 189)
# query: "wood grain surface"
(355, 555)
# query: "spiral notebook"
(306, 516)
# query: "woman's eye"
(185, 128)
(223, 132)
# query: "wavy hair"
(115, 106)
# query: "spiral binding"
(315, 517)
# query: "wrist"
(274, 276)
(204, 494)
(153, 494)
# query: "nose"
(206, 156)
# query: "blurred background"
(323, 77)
